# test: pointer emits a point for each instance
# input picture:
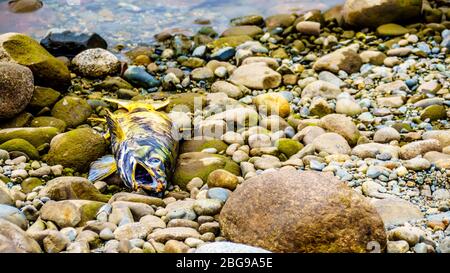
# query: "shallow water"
(136, 21)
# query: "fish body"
(144, 147)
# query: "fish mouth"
(145, 178)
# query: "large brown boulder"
(16, 89)
(372, 13)
(289, 211)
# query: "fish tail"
(131, 105)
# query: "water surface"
(136, 21)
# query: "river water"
(136, 21)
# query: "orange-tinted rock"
(289, 211)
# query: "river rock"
(272, 104)
(35, 136)
(96, 63)
(174, 233)
(342, 125)
(5, 195)
(13, 215)
(308, 27)
(372, 13)
(256, 76)
(420, 147)
(24, 6)
(346, 59)
(250, 31)
(311, 217)
(72, 110)
(198, 164)
(137, 198)
(231, 90)
(47, 70)
(43, 97)
(76, 149)
(331, 143)
(222, 179)
(70, 213)
(17, 238)
(395, 211)
(386, 135)
(321, 89)
(16, 89)
(69, 43)
(68, 187)
(228, 247)
(371, 150)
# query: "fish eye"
(154, 160)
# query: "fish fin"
(102, 168)
(114, 126)
(146, 104)
(97, 119)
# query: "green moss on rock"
(434, 112)
(49, 122)
(288, 146)
(232, 41)
(36, 136)
(186, 101)
(72, 110)
(197, 164)
(21, 120)
(30, 183)
(391, 30)
(20, 145)
(47, 70)
(76, 149)
(43, 97)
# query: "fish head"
(144, 169)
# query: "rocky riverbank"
(301, 133)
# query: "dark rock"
(70, 43)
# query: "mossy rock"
(193, 62)
(250, 31)
(232, 41)
(113, 84)
(36, 136)
(288, 146)
(217, 144)
(186, 101)
(76, 188)
(197, 145)
(434, 112)
(21, 120)
(89, 211)
(197, 164)
(49, 122)
(72, 110)
(47, 70)
(76, 149)
(30, 183)
(20, 145)
(279, 53)
(402, 127)
(43, 97)
(391, 30)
